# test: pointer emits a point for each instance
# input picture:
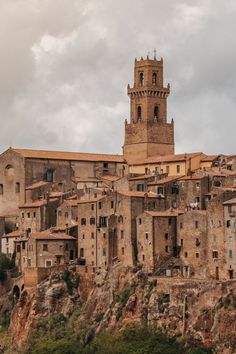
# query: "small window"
(215, 254)
(104, 252)
(141, 79)
(1, 189)
(112, 204)
(34, 214)
(92, 234)
(181, 242)
(17, 187)
(143, 257)
(92, 206)
(197, 255)
(120, 219)
(122, 250)
(154, 78)
(228, 223)
(139, 113)
(181, 225)
(166, 249)
(45, 247)
(186, 254)
(23, 215)
(230, 254)
(92, 221)
(67, 246)
(196, 224)
(81, 252)
(197, 242)
(23, 245)
(104, 235)
(122, 234)
(168, 169)
(146, 235)
(83, 221)
(105, 165)
(166, 236)
(178, 168)
(18, 248)
(66, 215)
(156, 113)
(99, 205)
(48, 264)
(140, 221)
(59, 212)
(140, 187)
(49, 175)
(169, 221)
(197, 184)
(28, 215)
(103, 221)
(160, 190)
(229, 209)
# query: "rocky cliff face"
(205, 311)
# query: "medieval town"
(171, 214)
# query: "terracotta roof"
(71, 202)
(16, 233)
(51, 236)
(162, 213)
(57, 194)
(209, 158)
(164, 180)
(194, 178)
(86, 180)
(37, 185)
(138, 194)
(137, 178)
(92, 200)
(230, 202)
(110, 178)
(35, 204)
(64, 155)
(169, 158)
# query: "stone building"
(148, 132)
(8, 242)
(67, 213)
(230, 236)
(192, 243)
(45, 249)
(156, 237)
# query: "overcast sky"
(65, 66)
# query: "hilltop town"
(172, 214)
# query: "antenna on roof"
(155, 54)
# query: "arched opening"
(141, 79)
(139, 113)
(156, 113)
(9, 172)
(154, 78)
(16, 292)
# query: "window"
(141, 79)
(105, 166)
(9, 172)
(154, 78)
(120, 219)
(45, 247)
(140, 187)
(23, 245)
(166, 249)
(83, 236)
(215, 254)
(59, 212)
(197, 255)
(122, 250)
(17, 187)
(103, 221)
(197, 242)
(140, 221)
(197, 184)
(230, 254)
(99, 205)
(166, 236)
(28, 215)
(229, 209)
(178, 168)
(186, 254)
(66, 215)
(181, 242)
(112, 204)
(146, 235)
(48, 264)
(169, 221)
(104, 235)
(181, 225)
(81, 252)
(92, 234)
(143, 257)
(83, 221)
(104, 252)
(22, 215)
(139, 113)
(160, 190)
(18, 248)
(168, 169)
(196, 224)
(92, 206)
(156, 113)
(92, 221)
(122, 234)
(49, 175)
(34, 214)
(228, 223)
(1, 189)
(67, 247)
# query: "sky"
(65, 66)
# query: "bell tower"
(148, 133)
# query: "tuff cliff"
(204, 311)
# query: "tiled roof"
(169, 158)
(37, 185)
(162, 213)
(71, 156)
(141, 177)
(35, 204)
(209, 158)
(164, 180)
(110, 178)
(51, 236)
(92, 200)
(16, 233)
(138, 194)
(230, 202)
(194, 178)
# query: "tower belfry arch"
(148, 133)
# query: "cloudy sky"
(65, 66)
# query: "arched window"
(141, 79)
(154, 78)
(156, 113)
(9, 172)
(92, 221)
(139, 113)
